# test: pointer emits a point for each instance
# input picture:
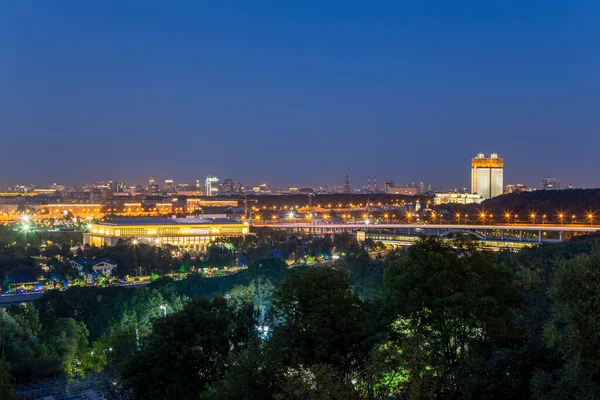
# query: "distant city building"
(211, 185)
(487, 175)
(195, 204)
(152, 186)
(182, 187)
(518, 188)
(347, 183)
(551, 184)
(227, 186)
(387, 185)
(457, 198)
(117, 187)
(261, 189)
(195, 193)
(169, 186)
(405, 190)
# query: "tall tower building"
(169, 185)
(211, 185)
(347, 183)
(487, 175)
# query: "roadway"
(505, 227)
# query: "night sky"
(296, 92)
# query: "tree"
(28, 357)
(258, 292)
(451, 304)
(317, 319)
(67, 338)
(319, 382)
(6, 382)
(575, 329)
(365, 274)
(188, 350)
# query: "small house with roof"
(104, 266)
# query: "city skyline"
(296, 94)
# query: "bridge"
(524, 233)
(7, 300)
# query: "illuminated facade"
(487, 175)
(211, 185)
(457, 198)
(192, 234)
(194, 204)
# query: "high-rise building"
(152, 187)
(169, 185)
(228, 186)
(211, 185)
(551, 184)
(116, 187)
(347, 183)
(487, 175)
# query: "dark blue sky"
(296, 92)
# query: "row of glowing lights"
(332, 206)
(464, 217)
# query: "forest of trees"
(437, 320)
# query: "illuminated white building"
(211, 185)
(457, 198)
(487, 175)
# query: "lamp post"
(164, 310)
(25, 230)
(561, 218)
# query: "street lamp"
(26, 228)
(164, 309)
(507, 216)
(543, 219)
(591, 218)
(458, 218)
(532, 217)
(482, 217)
(573, 219)
(561, 218)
